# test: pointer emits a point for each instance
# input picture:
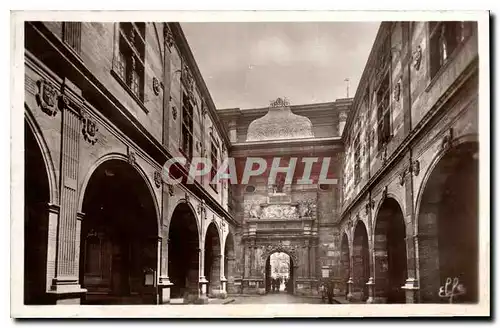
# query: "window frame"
(187, 126)
(357, 159)
(466, 31)
(72, 36)
(384, 113)
(214, 161)
(129, 60)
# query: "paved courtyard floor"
(273, 298)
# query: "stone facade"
(299, 219)
(89, 122)
(106, 105)
(433, 127)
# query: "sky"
(246, 65)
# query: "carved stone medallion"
(156, 86)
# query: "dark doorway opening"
(36, 218)
(119, 238)
(390, 253)
(183, 253)
(448, 226)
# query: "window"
(357, 160)
(72, 35)
(214, 153)
(129, 59)
(383, 112)
(187, 127)
(445, 37)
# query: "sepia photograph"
(181, 165)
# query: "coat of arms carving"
(89, 129)
(46, 97)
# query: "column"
(65, 286)
(202, 280)
(223, 278)
(371, 282)
(411, 285)
(350, 281)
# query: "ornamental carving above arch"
(291, 250)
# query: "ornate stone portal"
(278, 224)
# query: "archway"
(345, 262)
(361, 262)
(390, 253)
(229, 263)
(212, 259)
(279, 273)
(183, 253)
(119, 237)
(448, 225)
(36, 217)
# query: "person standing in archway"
(329, 292)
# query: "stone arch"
(188, 203)
(292, 267)
(361, 261)
(465, 139)
(119, 235)
(281, 249)
(345, 259)
(184, 251)
(389, 245)
(390, 197)
(220, 232)
(229, 261)
(38, 197)
(213, 255)
(36, 131)
(447, 223)
(138, 169)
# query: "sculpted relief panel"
(286, 212)
(303, 209)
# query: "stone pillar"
(411, 285)
(65, 287)
(164, 283)
(350, 281)
(203, 282)
(371, 281)
(53, 210)
(428, 252)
